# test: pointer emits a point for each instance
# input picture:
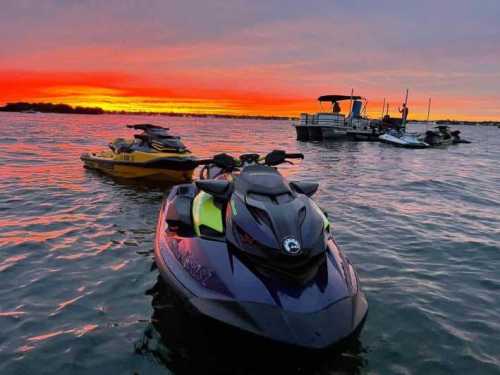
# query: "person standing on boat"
(336, 107)
(404, 113)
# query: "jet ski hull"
(218, 284)
(401, 142)
(170, 168)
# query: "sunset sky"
(253, 57)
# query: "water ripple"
(79, 296)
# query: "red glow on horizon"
(124, 92)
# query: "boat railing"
(322, 119)
(360, 123)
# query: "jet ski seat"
(178, 215)
(120, 145)
(142, 137)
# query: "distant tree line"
(203, 115)
(65, 108)
(457, 122)
(50, 108)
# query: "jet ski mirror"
(219, 189)
(306, 188)
(275, 157)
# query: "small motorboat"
(337, 125)
(154, 154)
(247, 248)
(400, 138)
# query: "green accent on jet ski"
(326, 222)
(233, 207)
(205, 212)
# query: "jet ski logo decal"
(291, 246)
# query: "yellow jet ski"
(154, 154)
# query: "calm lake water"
(79, 294)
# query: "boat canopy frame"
(338, 98)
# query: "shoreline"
(34, 108)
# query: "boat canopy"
(336, 98)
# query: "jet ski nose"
(340, 321)
(316, 330)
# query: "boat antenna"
(352, 103)
(428, 114)
(429, 110)
(383, 109)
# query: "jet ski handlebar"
(228, 162)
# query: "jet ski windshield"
(260, 179)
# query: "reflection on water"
(78, 294)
